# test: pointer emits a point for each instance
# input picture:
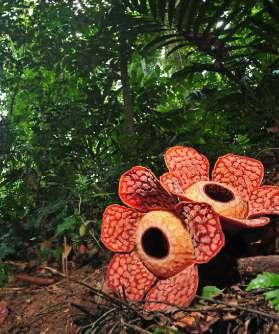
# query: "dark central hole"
(218, 193)
(155, 243)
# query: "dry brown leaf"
(4, 311)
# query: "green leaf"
(69, 225)
(161, 41)
(210, 291)
(272, 294)
(153, 8)
(171, 11)
(265, 280)
(162, 9)
(273, 9)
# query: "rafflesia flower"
(235, 191)
(158, 242)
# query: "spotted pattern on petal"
(264, 201)
(204, 227)
(188, 165)
(128, 277)
(243, 173)
(178, 290)
(119, 228)
(140, 189)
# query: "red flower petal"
(171, 184)
(243, 173)
(204, 227)
(187, 164)
(119, 227)
(177, 290)
(235, 224)
(128, 277)
(140, 189)
(264, 201)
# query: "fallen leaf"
(4, 311)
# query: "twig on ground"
(113, 327)
(54, 271)
(132, 315)
(111, 299)
(237, 307)
(82, 309)
(35, 280)
(241, 308)
(51, 309)
(136, 328)
(99, 320)
(11, 290)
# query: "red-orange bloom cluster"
(158, 242)
(235, 191)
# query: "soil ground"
(70, 305)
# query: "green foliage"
(262, 281)
(69, 225)
(4, 273)
(220, 37)
(270, 282)
(63, 111)
(47, 254)
(210, 291)
(273, 296)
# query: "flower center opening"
(218, 193)
(155, 243)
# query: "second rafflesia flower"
(158, 242)
(234, 192)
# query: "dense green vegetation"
(90, 88)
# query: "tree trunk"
(126, 89)
(254, 265)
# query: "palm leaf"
(226, 20)
(202, 9)
(217, 16)
(161, 41)
(272, 8)
(153, 7)
(143, 7)
(190, 15)
(162, 10)
(239, 34)
(182, 74)
(171, 11)
(182, 13)
(177, 47)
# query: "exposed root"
(112, 315)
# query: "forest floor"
(41, 299)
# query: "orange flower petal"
(243, 173)
(179, 290)
(128, 277)
(224, 199)
(164, 243)
(187, 164)
(264, 201)
(119, 227)
(235, 224)
(171, 183)
(204, 227)
(140, 189)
